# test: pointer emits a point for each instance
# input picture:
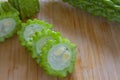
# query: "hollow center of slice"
(7, 25)
(59, 57)
(30, 31)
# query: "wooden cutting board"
(97, 40)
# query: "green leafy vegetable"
(109, 9)
(9, 20)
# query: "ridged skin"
(44, 24)
(44, 57)
(7, 11)
(27, 8)
(109, 9)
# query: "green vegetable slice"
(9, 20)
(30, 28)
(58, 57)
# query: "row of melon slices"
(55, 54)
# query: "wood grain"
(97, 40)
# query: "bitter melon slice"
(58, 57)
(30, 28)
(9, 20)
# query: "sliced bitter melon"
(58, 57)
(30, 28)
(39, 41)
(27, 8)
(9, 20)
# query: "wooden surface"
(97, 40)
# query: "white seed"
(6, 24)
(66, 56)
(59, 51)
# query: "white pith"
(59, 57)
(41, 43)
(30, 30)
(38, 46)
(7, 25)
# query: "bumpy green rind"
(44, 58)
(109, 9)
(38, 36)
(42, 23)
(27, 8)
(8, 8)
(7, 11)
